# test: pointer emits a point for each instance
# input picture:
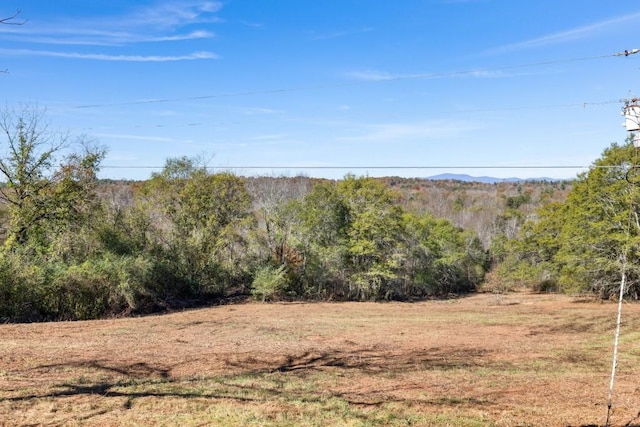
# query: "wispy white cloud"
(171, 14)
(251, 24)
(394, 132)
(105, 57)
(487, 74)
(146, 138)
(269, 137)
(252, 111)
(568, 35)
(80, 37)
(340, 33)
(378, 76)
(166, 21)
(373, 76)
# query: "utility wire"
(473, 110)
(337, 85)
(535, 107)
(397, 78)
(303, 167)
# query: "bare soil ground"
(483, 360)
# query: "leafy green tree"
(583, 243)
(126, 227)
(601, 224)
(375, 230)
(362, 245)
(201, 218)
(529, 260)
(352, 229)
(324, 221)
(43, 197)
(443, 259)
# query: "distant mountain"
(484, 179)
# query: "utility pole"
(631, 113)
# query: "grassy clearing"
(261, 400)
(531, 360)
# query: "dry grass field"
(484, 360)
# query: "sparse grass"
(544, 361)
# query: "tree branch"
(10, 19)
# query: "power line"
(457, 111)
(534, 107)
(303, 167)
(337, 85)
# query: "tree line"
(74, 247)
(77, 249)
(586, 242)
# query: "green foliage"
(77, 251)
(373, 233)
(202, 218)
(363, 246)
(451, 260)
(21, 288)
(125, 232)
(33, 289)
(270, 283)
(529, 259)
(352, 228)
(43, 201)
(515, 202)
(580, 245)
(80, 292)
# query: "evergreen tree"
(582, 244)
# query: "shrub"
(270, 283)
(80, 292)
(32, 289)
(21, 288)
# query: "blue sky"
(301, 86)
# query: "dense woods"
(75, 247)
(584, 243)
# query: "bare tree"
(11, 20)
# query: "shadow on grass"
(134, 370)
(156, 381)
(610, 425)
(366, 360)
(631, 423)
(280, 379)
